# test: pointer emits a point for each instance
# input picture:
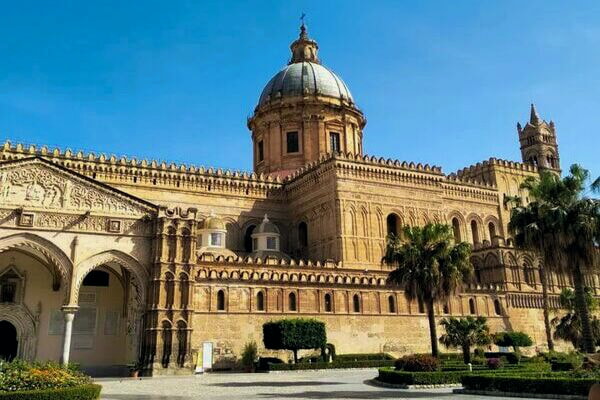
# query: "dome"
(214, 222)
(305, 78)
(266, 226)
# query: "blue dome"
(305, 78)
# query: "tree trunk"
(587, 337)
(546, 306)
(295, 356)
(466, 349)
(432, 328)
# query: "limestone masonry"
(105, 260)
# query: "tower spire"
(534, 118)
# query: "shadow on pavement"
(274, 384)
(382, 394)
(141, 397)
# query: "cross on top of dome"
(304, 48)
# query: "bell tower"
(538, 142)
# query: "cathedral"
(108, 261)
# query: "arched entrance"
(9, 343)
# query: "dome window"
(272, 243)
(334, 141)
(292, 142)
(216, 240)
(212, 237)
(265, 238)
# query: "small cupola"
(213, 232)
(266, 236)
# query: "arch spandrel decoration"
(28, 241)
(141, 275)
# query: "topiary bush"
(294, 334)
(82, 392)
(417, 363)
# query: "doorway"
(9, 343)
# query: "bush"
(82, 392)
(417, 363)
(511, 358)
(494, 363)
(365, 356)
(21, 376)
(263, 362)
(249, 354)
(395, 377)
(554, 384)
(513, 339)
(294, 334)
(332, 365)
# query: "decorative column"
(69, 316)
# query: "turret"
(538, 142)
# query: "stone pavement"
(329, 384)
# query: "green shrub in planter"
(82, 392)
(417, 363)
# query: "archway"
(9, 344)
(110, 291)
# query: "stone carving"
(39, 185)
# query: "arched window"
(292, 301)
(182, 334)
(302, 235)
(456, 229)
(356, 302)
(392, 222)
(497, 307)
(260, 301)
(169, 290)
(171, 244)
(184, 288)
(167, 337)
(186, 246)
(391, 304)
(220, 300)
(475, 232)
(492, 230)
(472, 306)
(421, 306)
(446, 309)
(327, 302)
(248, 239)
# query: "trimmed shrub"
(294, 334)
(365, 356)
(263, 362)
(389, 375)
(20, 375)
(511, 358)
(563, 361)
(417, 363)
(554, 384)
(83, 392)
(332, 365)
(494, 363)
(513, 339)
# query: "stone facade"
(189, 257)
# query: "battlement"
(480, 166)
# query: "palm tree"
(568, 327)
(430, 267)
(562, 226)
(465, 332)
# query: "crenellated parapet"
(474, 172)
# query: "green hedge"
(333, 365)
(84, 392)
(388, 375)
(363, 357)
(553, 384)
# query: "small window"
(391, 305)
(292, 142)
(248, 238)
(8, 291)
(492, 230)
(302, 234)
(260, 301)
(271, 243)
(255, 244)
(497, 307)
(392, 223)
(475, 231)
(456, 229)
(261, 151)
(356, 302)
(327, 302)
(446, 309)
(96, 278)
(334, 141)
(292, 302)
(221, 300)
(472, 306)
(215, 239)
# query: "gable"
(38, 183)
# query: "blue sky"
(441, 82)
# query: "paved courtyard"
(287, 385)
